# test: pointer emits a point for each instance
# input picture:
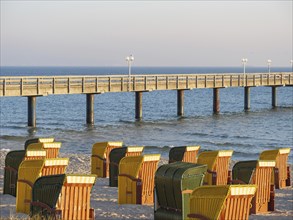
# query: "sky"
(156, 33)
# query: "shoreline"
(104, 198)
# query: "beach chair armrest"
(26, 181)
(99, 157)
(11, 169)
(130, 177)
(115, 164)
(44, 206)
(198, 216)
(288, 180)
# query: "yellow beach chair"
(258, 173)
(100, 157)
(218, 166)
(34, 153)
(51, 148)
(38, 140)
(281, 177)
(221, 202)
(184, 154)
(136, 179)
(29, 171)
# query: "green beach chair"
(173, 184)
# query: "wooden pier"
(34, 86)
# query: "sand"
(104, 198)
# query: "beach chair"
(136, 179)
(29, 171)
(51, 148)
(115, 156)
(173, 184)
(218, 166)
(63, 196)
(38, 140)
(12, 162)
(184, 153)
(258, 173)
(281, 176)
(100, 157)
(221, 202)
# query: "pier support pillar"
(274, 96)
(90, 109)
(216, 100)
(138, 105)
(180, 102)
(31, 110)
(246, 98)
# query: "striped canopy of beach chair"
(115, 156)
(136, 179)
(100, 157)
(218, 166)
(258, 173)
(29, 171)
(38, 140)
(52, 148)
(281, 177)
(184, 154)
(221, 202)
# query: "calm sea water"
(63, 116)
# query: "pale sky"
(157, 33)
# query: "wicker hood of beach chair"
(136, 179)
(218, 166)
(282, 176)
(115, 156)
(100, 157)
(38, 140)
(184, 154)
(173, 184)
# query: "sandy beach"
(104, 198)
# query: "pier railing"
(47, 85)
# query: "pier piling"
(274, 96)
(246, 98)
(180, 102)
(31, 110)
(90, 109)
(138, 105)
(216, 100)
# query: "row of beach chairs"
(192, 186)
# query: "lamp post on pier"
(269, 65)
(244, 61)
(129, 60)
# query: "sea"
(64, 116)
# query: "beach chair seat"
(218, 166)
(63, 197)
(100, 157)
(281, 176)
(184, 154)
(115, 156)
(258, 173)
(136, 179)
(173, 184)
(38, 140)
(29, 171)
(221, 202)
(52, 148)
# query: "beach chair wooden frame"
(185, 154)
(100, 157)
(218, 166)
(282, 174)
(38, 140)
(136, 179)
(70, 199)
(221, 202)
(115, 156)
(29, 171)
(260, 176)
(52, 148)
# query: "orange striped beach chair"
(137, 178)
(52, 148)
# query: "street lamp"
(269, 65)
(244, 61)
(129, 59)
